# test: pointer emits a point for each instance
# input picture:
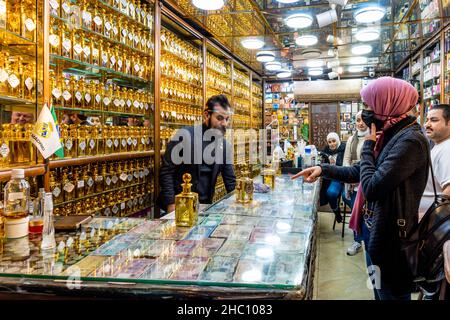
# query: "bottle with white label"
(68, 186)
(55, 188)
(5, 136)
(82, 144)
(29, 76)
(16, 196)
(14, 78)
(80, 183)
(48, 233)
(29, 20)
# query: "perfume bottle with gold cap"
(244, 188)
(79, 182)
(68, 186)
(91, 140)
(186, 205)
(89, 180)
(108, 140)
(269, 177)
(81, 139)
(100, 142)
(5, 152)
(55, 188)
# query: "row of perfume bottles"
(217, 64)
(76, 45)
(219, 82)
(242, 78)
(19, 17)
(92, 95)
(173, 112)
(120, 203)
(241, 91)
(220, 22)
(181, 92)
(16, 148)
(71, 183)
(165, 136)
(180, 70)
(101, 14)
(257, 91)
(17, 78)
(180, 48)
(240, 121)
(241, 106)
(81, 140)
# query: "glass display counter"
(265, 249)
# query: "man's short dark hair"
(445, 110)
(220, 100)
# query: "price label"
(87, 50)
(67, 44)
(130, 177)
(146, 172)
(98, 98)
(90, 182)
(54, 4)
(87, 17)
(68, 187)
(87, 97)
(141, 201)
(106, 100)
(115, 209)
(141, 174)
(108, 181)
(56, 192)
(130, 204)
(109, 143)
(135, 142)
(116, 102)
(78, 48)
(136, 39)
(124, 33)
(114, 179)
(113, 60)
(143, 42)
(146, 106)
(136, 174)
(98, 21)
(135, 202)
(122, 102)
(30, 25)
(104, 58)
(143, 140)
(3, 75)
(69, 144)
(95, 52)
(129, 103)
(130, 141)
(29, 83)
(80, 184)
(54, 40)
(66, 95)
(92, 144)
(4, 150)
(107, 212)
(130, 36)
(115, 31)
(122, 206)
(99, 179)
(123, 176)
(108, 25)
(78, 95)
(136, 104)
(13, 80)
(66, 7)
(82, 145)
(116, 143)
(124, 143)
(119, 63)
(136, 67)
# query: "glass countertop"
(263, 245)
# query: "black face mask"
(368, 117)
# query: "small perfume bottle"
(186, 205)
(244, 189)
(55, 188)
(269, 177)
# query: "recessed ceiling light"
(284, 74)
(368, 34)
(362, 49)
(265, 56)
(306, 40)
(358, 60)
(273, 66)
(314, 63)
(252, 43)
(287, 1)
(299, 21)
(356, 69)
(310, 53)
(315, 72)
(208, 4)
(369, 14)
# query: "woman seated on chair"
(331, 190)
(352, 155)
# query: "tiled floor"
(338, 276)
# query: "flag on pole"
(45, 135)
(60, 151)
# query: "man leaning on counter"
(192, 150)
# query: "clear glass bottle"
(48, 234)
(36, 222)
(16, 196)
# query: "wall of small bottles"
(109, 188)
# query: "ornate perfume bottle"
(269, 178)
(186, 205)
(244, 189)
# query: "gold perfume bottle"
(5, 152)
(107, 136)
(81, 137)
(29, 19)
(99, 139)
(54, 38)
(13, 16)
(29, 76)
(91, 140)
(244, 189)
(107, 175)
(186, 205)
(99, 181)
(68, 92)
(88, 101)
(55, 188)
(269, 177)
(68, 186)
(89, 180)
(79, 91)
(98, 96)
(80, 184)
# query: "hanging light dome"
(368, 34)
(356, 69)
(273, 66)
(315, 63)
(265, 56)
(358, 60)
(315, 72)
(369, 14)
(252, 43)
(299, 21)
(208, 4)
(284, 74)
(362, 49)
(306, 40)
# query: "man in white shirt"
(438, 130)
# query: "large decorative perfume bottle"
(244, 188)
(186, 205)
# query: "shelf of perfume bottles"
(219, 83)
(180, 114)
(86, 141)
(178, 49)
(180, 80)
(81, 94)
(165, 135)
(17, 79)
(16, 148)
(18, 24)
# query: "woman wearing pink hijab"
(392, 175)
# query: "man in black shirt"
(201, 151)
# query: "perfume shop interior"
(91, 93)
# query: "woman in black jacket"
(331, 190)
(392, 174)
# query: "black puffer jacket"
(392, 183)
(340, 154)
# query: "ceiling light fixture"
(265, 56)
(314, 63)
(356, 69)
(284, 74)
(369, 14)
(287, 1)
(362, 49)
(252, 43)
(306, 40)
(315, 72)
(368, 34)
(299, 21)
(208, 4)
(358, 60)
(273, 66)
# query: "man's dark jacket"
(171, 174)
(393, 183)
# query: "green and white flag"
(45, 134)
(60, 151)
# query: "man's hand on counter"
(170, 208)
(310, 174)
